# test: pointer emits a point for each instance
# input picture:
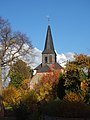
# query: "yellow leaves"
(73, 97)
(84, 86)
(12, 96)
(69, 83)
(25, 84)
(47, 86)
(44, 92)
(83, 59)
(71, 67)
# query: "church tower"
(49, 61)
(48, 54)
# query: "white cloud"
(64, 57)
(61, 58)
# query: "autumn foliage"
(73, 97)
(77, 78)
(46, 89)
(72, 86)
(12, 96)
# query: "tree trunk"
(88, 72)
(1, 99)
(0, 80)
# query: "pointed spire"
(49, 47)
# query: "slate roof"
(41, 68)
(56, 66)
(46, 68)
(49, 47)
(38, 67)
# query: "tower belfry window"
(45, 59)
(50, 58)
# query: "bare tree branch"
(13, 44)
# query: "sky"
(69, 21)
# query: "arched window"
(50, 58)
(45, 59)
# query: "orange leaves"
(47, 87)
(51, 77)
(73, 97)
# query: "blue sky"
(69, 20)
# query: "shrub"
(73, 97)
(58, 108)
(27, 106)
(12, 96)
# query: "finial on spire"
(48, 20)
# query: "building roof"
(56, 66)
(41, 68)
(49, 47)
(46, 68)
(38, 67)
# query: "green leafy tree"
(19, 72)
(72, 77)
(61, 87)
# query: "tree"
(25, 85)
(72, 77)
(77, 76)
(12, 46)
(46, 88)
(19, 72)
(12, 96)
(61, 87)
(12, 43)
(83, 61)
(0, 80)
